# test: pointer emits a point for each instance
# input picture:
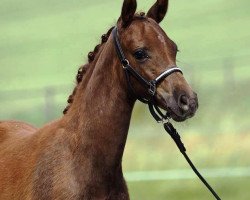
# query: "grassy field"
(157, 153)
(228, 188)
(42, 43)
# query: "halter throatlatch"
(154, 109)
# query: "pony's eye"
(141, 55)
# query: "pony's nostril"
(183, 102)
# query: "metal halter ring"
(125, 63)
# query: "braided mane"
(83, 69)
(91, 56)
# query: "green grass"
(42, 43)
(156, 151)
(227, 188)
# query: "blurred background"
(42, 44)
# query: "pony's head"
(151, 52)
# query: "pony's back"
(12, 129)
(11, 135)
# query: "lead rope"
(160, 117)
(177, 139)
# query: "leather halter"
(150, 85)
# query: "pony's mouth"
(178, 117)
(174, 111)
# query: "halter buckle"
(152, 89)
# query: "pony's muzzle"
(188, 104)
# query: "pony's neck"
(101, 112)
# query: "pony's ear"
(158, 10)
(128, 11)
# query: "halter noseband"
(151, 85)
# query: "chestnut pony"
(79, 156)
